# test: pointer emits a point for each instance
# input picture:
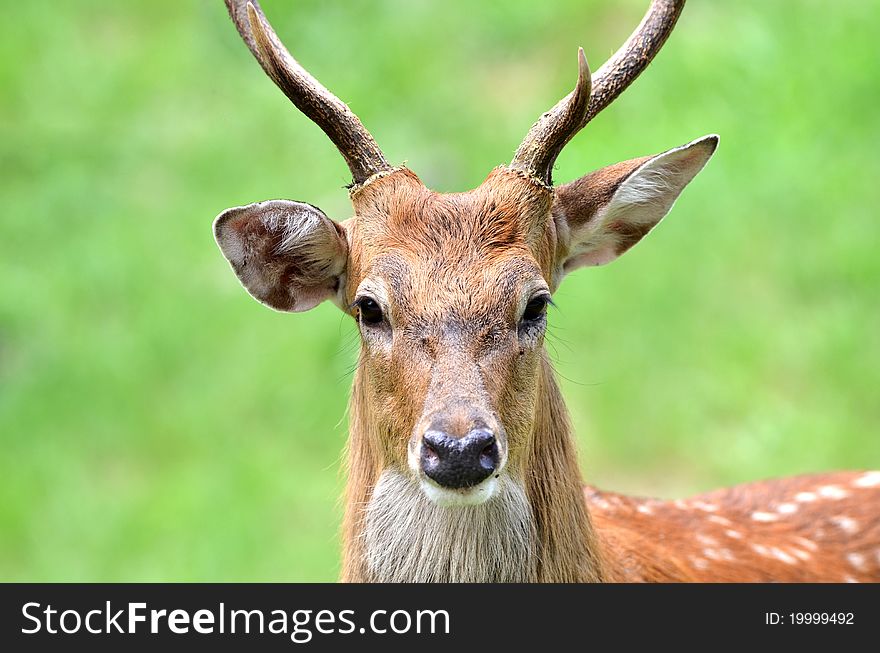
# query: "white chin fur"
(410, 538)
(472, 496)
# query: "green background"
(158, 424)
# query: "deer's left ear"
(604, 213)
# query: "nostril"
(489, 456)
(429, 454)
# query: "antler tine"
(545, 140)
(555, 128)
(332, 115)
(634, 56)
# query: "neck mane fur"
(535, 529)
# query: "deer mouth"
(446, 497)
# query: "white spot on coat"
(645, 510)
(846, 524)
(734, 534)
(807, 544)
(805, 497)
(764, 516)
(720, 520)
(832, 492)
(868, 479)
(700, 563)
(782, 555)
(705, 540)
(786, 508)
(802, 555)
(760, 549)
(857, 560)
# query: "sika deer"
(461, 462)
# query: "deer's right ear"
(288, 255)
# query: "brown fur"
(714, 537)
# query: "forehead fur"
(506, 217)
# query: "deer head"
(450, 290)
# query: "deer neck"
(569, 549)
(536, 529)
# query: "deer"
(461, 461)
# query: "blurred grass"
(158, 424)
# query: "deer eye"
(536, 308)
(369, 310)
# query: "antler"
(332, 115)
(545, 140)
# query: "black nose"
(459, 462)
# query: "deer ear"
(288, 255)
(608, 211)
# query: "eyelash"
(536, 308)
